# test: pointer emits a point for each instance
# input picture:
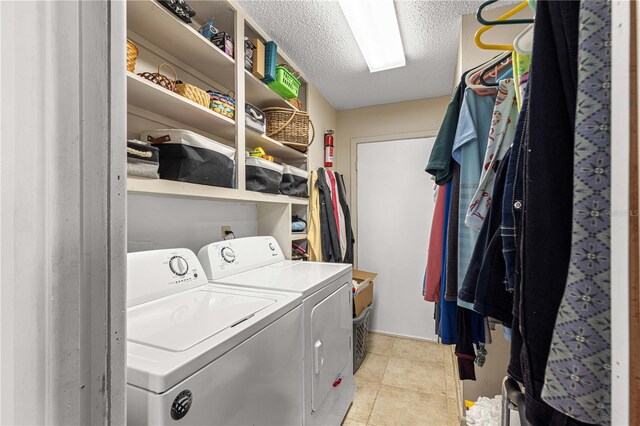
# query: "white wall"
(400, 120)
(62, 209)
(395, 199)
(167, 222)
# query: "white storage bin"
(189, 157)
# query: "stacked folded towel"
(142, 159)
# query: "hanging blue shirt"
(448, 310)
(469, 148)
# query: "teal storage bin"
(270, 59)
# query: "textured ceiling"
(317, 37)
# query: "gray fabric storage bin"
(263, 175)
(295, 182)
(189, 157)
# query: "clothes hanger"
(523, 43)
(495, 76)
(509, 47)
(468, 80)
(502, 20)
(497, 64)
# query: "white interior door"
(395, 207)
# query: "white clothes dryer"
(204, 354)
(258, 262)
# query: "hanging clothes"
(484, 285)
(439, 164)
(337, 208)
(346, 213)
(433, 272)
(578, 373)
(468, 151)
(521, 65)
(314, 242)
(548, 194)
(451, 285)
(448, 310)
(328, 227)
(503, 128)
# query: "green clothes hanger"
(503, 22)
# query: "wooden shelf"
(259, 94)
(173, 188)
(297, 236)
(151, 97)
(152, 21)
(254, 139)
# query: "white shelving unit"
(158, 100)
(162, 37)
(260, 95)
(191, 190)
(152, 21)
(254, 139)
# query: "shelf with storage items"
(152, 21)
(260, 95)
(273, 147)
(160, 37)
(174, 188)
(149, 96)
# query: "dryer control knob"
(178, 265)
(272, 247)
(228, 255)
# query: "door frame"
(354, 142)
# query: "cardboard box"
(258, 58)
(364, 297)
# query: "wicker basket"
(163, 81)
(290, 127)
(132, 55)
(193, 93)
(296, 103)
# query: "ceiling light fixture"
(375, 26)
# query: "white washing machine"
(204, 354)
(258, 262)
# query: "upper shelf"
(260, 95)
(151, 97)
(254, 139)
(152, 21)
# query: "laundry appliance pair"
(237, 336)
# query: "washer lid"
(300, 277)
(178, 322)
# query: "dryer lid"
(177, 323)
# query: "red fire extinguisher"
(328, 148)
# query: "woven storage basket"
(290, 126)
(132, 55)
(296, 103)
(164, 81)
(193, 93)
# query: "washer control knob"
(228, 255)
(178, 265)
(272, 247)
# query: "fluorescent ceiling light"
(375, 26)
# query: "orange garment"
(433, 271)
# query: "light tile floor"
(405, 382)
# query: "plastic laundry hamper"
(360, 332)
